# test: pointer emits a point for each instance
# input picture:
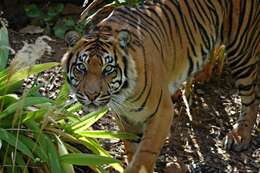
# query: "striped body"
(152, 50)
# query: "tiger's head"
(98, 68)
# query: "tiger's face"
(96, 71)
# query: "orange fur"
(154, 49)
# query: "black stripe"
(164, 32)
(157, 107)
(204, 35)
(213, 17)
(139, 109)
(127, 19)
(190, 36)
(191, 14)
(168, 22)
(245, 72)
(152, 26)
(204, 11)
(241, 15)
(69, 57)
(144, 15)
(190, 63)
(230, 21)
(125, 61)
(243, 87)
(239, 60)
(222, 32)
(176, 26)
(249, 103)
(204, 53)
(247, 94)
(229, 46)
(145, 77)
(198, 10)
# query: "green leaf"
(108, 134)
(47, 145)
(16, 143)
(99, 169)
(37, 115)
(35, 69)
(32, 10)
(68, 168)
(87, 159)
(3, 75)
(28, 101)
(54, 161)
(59, 30)
(36, 149)
(88, 120)
(55, 9)
(95, 147)
(4, 43)
(68, 22)
(8, 99)
(49, 19)
(63, 95)
(11, 85)
(21, 162)
(74, 108)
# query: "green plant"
(4, 42)
(51, 19)
(33, 127)
(38, 134)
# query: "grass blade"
(95, 147)
(14, 82)
(35, 69)
(28, 101)
(63, 95)
(108, 134)
(88, 120)
(68, 168)
(54, 161)
(4, 43)
(16, 143)
(87, 159)
(36, 149)
(21, 163)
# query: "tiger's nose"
(92, 96)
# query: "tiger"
(135, 58)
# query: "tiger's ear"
(71, 38)
(124, 38)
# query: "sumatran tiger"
(135, 59)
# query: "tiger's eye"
(108, 69)
(81, 67)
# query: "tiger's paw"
(176, 167)
(239, 138)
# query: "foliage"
(51, 18)
(54, 23)
(32, 127)
(4, 42)
(38, 134)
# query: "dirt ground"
(215, 106)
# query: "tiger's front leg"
(155, 131)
